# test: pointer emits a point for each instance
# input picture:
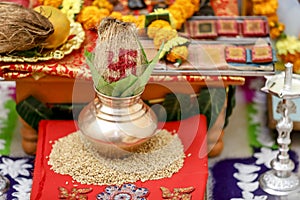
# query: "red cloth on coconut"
(194, 173)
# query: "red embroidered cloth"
(192, 132)
(225, 7)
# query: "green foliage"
(209, 102)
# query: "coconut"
(22, 28)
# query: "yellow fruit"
(61, 25)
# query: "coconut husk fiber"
(22, 28)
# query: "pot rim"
(118, 98)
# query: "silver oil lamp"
(281, 180)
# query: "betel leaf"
(156, 16)
(231, 101)
(211, 101)
(179, 106)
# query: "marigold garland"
(287, 47)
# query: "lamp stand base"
(279, 186)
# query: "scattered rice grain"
(160, 157)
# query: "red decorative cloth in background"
(25, 3)
(225, 7)
(192, 131)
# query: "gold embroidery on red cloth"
(178, 193)
(74, 194)
(262, 54)
(227, 27)
(254, 27)
(235, 54)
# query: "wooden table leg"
(215, 133)
(29, 137)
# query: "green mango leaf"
(123, 84)
(125, 87)
(89, 58)
(143, 79)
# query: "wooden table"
(55, 89)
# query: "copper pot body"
(115, 126)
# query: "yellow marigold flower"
(91, 24)
(103, 4)
(116, 15)
(104, 11)
(179, 8)
(273, 17)
(129, 18)
(178, 53)
(141, 21)
(90, 16)
(281, 27)
(163, 35)
(187, 6)
(196, 5)
(178, 17)
(54, 3)
(274, 33)
(296, 67)
(156, 25)
(87, 12)
(265, 8)
(272, 24)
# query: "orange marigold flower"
(267, 7)
(54, 3)
(103, 4)
(90, 16)
(179, 8)
(296, 67)
(274, 33)
(272, 17)
(178, 53)
(189, 8)
(87, 12)
(196, 4)
(178, 17)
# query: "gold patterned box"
(236, 54)
(203, 29)
(262, 54)
(227, 27)
(254, 28)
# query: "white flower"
(249, 187)
(245, 177)
(23, 189)
(245, 168)
(15, 168)
(250, 196)
(265, 156)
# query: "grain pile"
(159, 157)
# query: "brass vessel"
(115, 126)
